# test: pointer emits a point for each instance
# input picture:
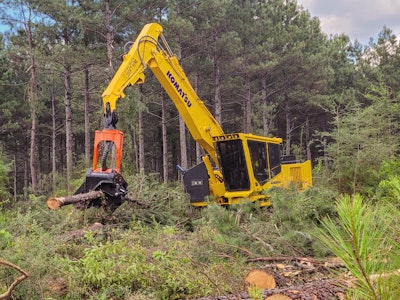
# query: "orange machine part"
(112, 135)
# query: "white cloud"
(359, 19)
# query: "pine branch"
(360, 240)
(355, 226)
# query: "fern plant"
(364, 240)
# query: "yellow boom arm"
(151, 50)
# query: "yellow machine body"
(236, 166)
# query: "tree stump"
(260, 279)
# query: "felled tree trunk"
(56, 203)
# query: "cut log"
(278, 297)
(260, 279)
(58, 202)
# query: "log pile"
(290, 281)
(316, 290)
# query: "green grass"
(161, 249)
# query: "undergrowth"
(156, 246)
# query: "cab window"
(258, 156)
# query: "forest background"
(262, 67)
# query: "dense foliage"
(261, 67)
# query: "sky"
(359, 19)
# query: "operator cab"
(247, 162)
(242, 154)
(249, 165)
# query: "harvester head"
(107, 180)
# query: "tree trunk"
(182, 129)
(198, 147)
(308, 148)
(33, 100)
(68, 124)
(53, 139)
(288, 125)
(198, 153)
(217, 85)
(109, 36)
(135, 151)
(247, 106)
(182, 143)
(164, 139)
(26, 171)
(32, 161)
(15, 179)
(87, 119)
(265, 103)
(141, 141)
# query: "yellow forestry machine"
(236, 166)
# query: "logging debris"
(8, 294)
